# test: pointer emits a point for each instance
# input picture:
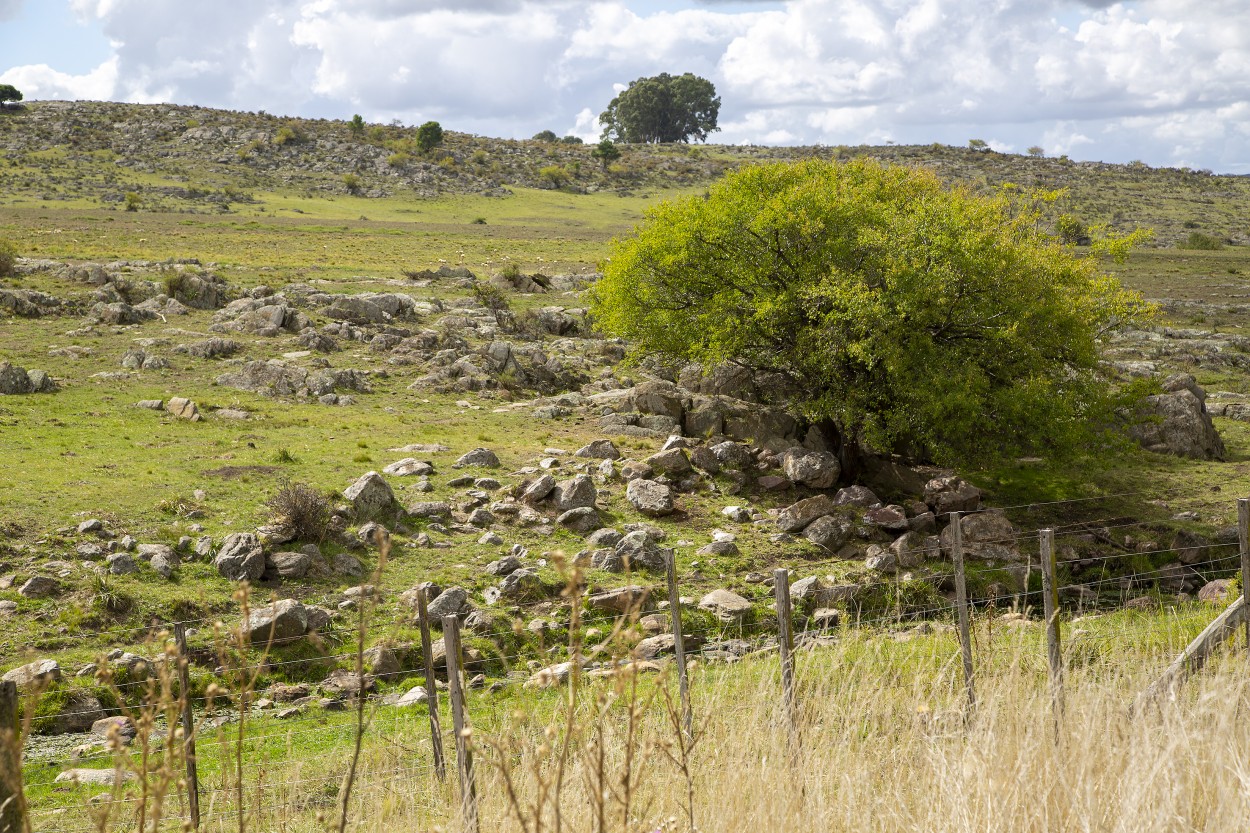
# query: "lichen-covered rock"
(371, 497)
(240, 557)
(1176, 422)
(650, 497)
(280, 623)
(814, 469)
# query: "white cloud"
(1159, 80)
(42, 82)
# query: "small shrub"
(1201, 242)
(429, 136)
(554, 176)
(288, 135)
(545, 136)
(352, 183)
(1071, 230)
(132, 201)
(303, 508)
(8, 259)
(479, 221)
(284, 456)
(398, 160)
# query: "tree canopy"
(9, 93)
(903, 315)
(663, 108)
(429, 136)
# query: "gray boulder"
(797, 516)
(482, 457)
(814, 469)
(987, 535)
(575, 493)
(371, 497)
(451, 602)
(284, 621)
(650, 497)
(726, 605)
(38, 673)
(240, 557)
(1176, 422)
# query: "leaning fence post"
(785, 640)
(961, 605)
(1050, 605)
(12, 793)
(1243, 538)
(431, 688)
(464, 750)
(188, 725)
(679, 645)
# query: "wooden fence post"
(679, 645)
(12, 793)
(1050, 605)
(785, 641)
(464, 751)
(961, 605)
(188, 725)
(1243, 537)
(431, 688)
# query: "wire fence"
(281, 747)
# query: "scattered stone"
(99, 777)
(39, 587)
(575, 493)
(581, 520)
(737, 514)
(240, 557)
(451, 602)
(409, 466)
(40, 672)
(723, 548)
(796, 517)
(415, 696)
(814, 469)
(664, 644)
(606, 537)
(650, 497)
(672, 462)
(183, 408)
(1176, 422)
(482, 457)
(284, 620)
(987, 535)
(728, 606)
(1216, 592)
(951, 494)
(829, 532)
(371, 497)
(599, 450)
(619, 600)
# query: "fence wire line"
(266, 665)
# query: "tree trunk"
(846, 447)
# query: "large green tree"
(9, 93)
(663, 108)
(905, 315)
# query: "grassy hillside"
(490, 243)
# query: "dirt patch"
(236, 472)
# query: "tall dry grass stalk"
(885, 748)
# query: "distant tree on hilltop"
(8, 93)
(664, 108)
(429, 136)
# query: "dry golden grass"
(884, 745)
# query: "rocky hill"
(197, 159)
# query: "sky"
(1166, 82)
